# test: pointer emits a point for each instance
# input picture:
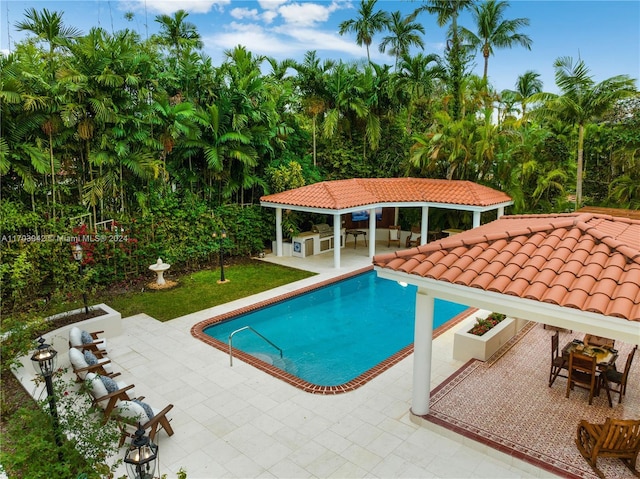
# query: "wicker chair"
(617, 438)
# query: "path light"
(141, 457)
(222, 236)
(77, 255)
(44, 362)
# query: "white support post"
(476, 219)
(424, 225)
(396, 215)
(337, 227)
(278, 231)
(422, 343)
(372, 232)
(500, 211)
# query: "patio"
(240, 422)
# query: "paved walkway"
(239, 422)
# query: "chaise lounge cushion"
(79, 337)
(132, 410)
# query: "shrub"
(483, 325)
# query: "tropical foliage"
(148, 140)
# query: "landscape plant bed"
(495, 332)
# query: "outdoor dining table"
(605, 357)
(355, 234)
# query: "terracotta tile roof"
(343, 194)
(585, 261)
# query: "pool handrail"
(257, 333)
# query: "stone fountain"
(159, 267)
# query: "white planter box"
(467, 346)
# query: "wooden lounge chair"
(105, 400)
(394, 235)
(81, 366)
(84, 340)
(133, 415)
(617, 438)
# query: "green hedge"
(36, 268)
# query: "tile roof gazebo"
(579, 271)
(346, 196)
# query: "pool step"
(275, 360)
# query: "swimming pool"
(331, 335)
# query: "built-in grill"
(323, 229)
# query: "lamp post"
(141, 457)
(77, 255)
(44, 362)
(222, 236)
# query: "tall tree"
(367, 24)
(311, 81)
(448, 11)
(49, 28)
(416, 80)
(493, 31)
(527, 85)
(582, 102)
(177, 33)
(403, 35)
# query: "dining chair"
(414, 238)
(619, 378)
(558, 362)
(394, 235)
(598, 341)
(583, 373)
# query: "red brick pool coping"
(198, 332)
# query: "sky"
(603, 33)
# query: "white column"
(500, 211)
(372, 232)
(337, 226)
(423, 336)
(476, 219)
(396, 215)
(424, 225)
(278, 231)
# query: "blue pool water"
(332, 335)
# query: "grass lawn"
(200, 290)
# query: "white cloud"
(271, 4)
(307, 14)
(168, 7)
(241, 13)
(269, 16)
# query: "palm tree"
(449, 10)
(48, 27)
(416, 79)
(366, 25)
(311, 81)
(581, 102)
(527, 85)
(493, 31)
(177, 33)
(403, 36)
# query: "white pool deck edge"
(239, 422)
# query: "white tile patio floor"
(239, 422)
